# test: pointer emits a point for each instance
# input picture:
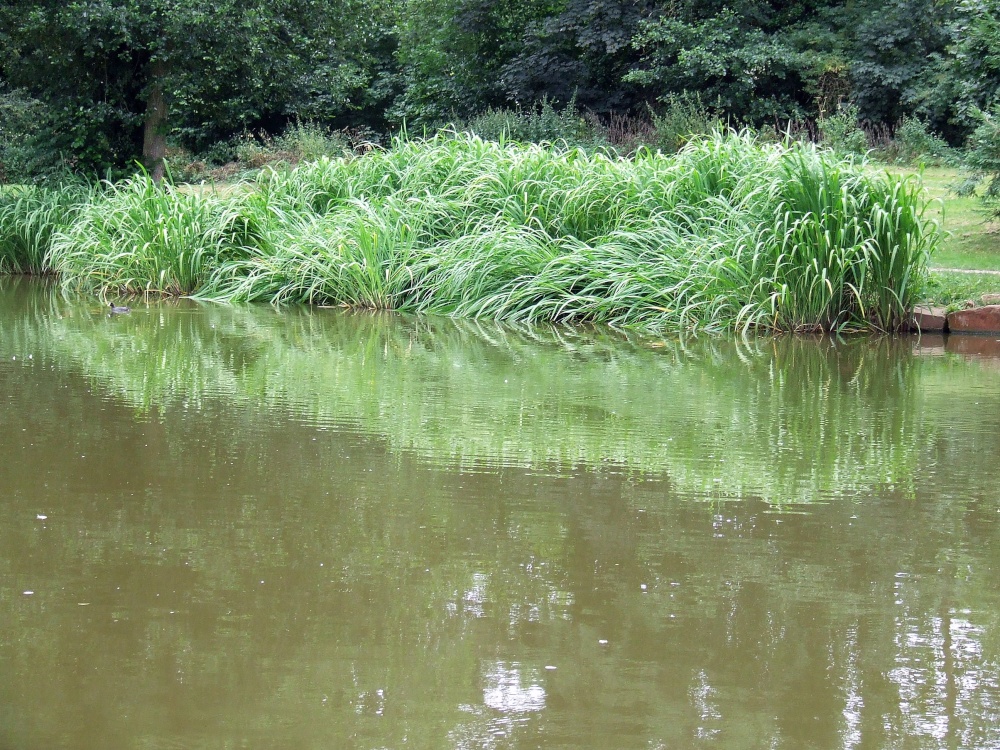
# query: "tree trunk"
(154, 142)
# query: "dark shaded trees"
(451, 55)
(743, 58)
(114, 78)
(117, 75)
(583, 50)
(894, 47)
(964, 79)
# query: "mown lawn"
(970, 241)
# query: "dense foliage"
(117, 76)
(727, 233)
(107, 81)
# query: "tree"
(581, 51)
(963, 80)
(894, 47)
(18, 117)
(451, 55)
(117, 75)
(741, 57)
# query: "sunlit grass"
(727, 234)
(969, 241)
(954, 290)
(29, 219)
(138, 237)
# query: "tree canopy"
(117, 74)
(111, 80)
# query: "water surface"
(231, 527)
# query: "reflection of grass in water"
(787, 419)
(790, 420)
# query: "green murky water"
(227, 527)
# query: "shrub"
(913, 144)
(309, 141)
(842, 133)
(18, 117)
(982, 160)
(685, 116)
(788, 132)
(623, 133)
(300, 141)
(541, 124)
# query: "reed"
(138, 237)
(29, 218)
(726, 234)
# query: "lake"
(240, 527)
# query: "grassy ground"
(955, 290)
(970, 243)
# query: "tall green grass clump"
(137, 237)
(726, 234)
(30, 216)
(852, 247)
